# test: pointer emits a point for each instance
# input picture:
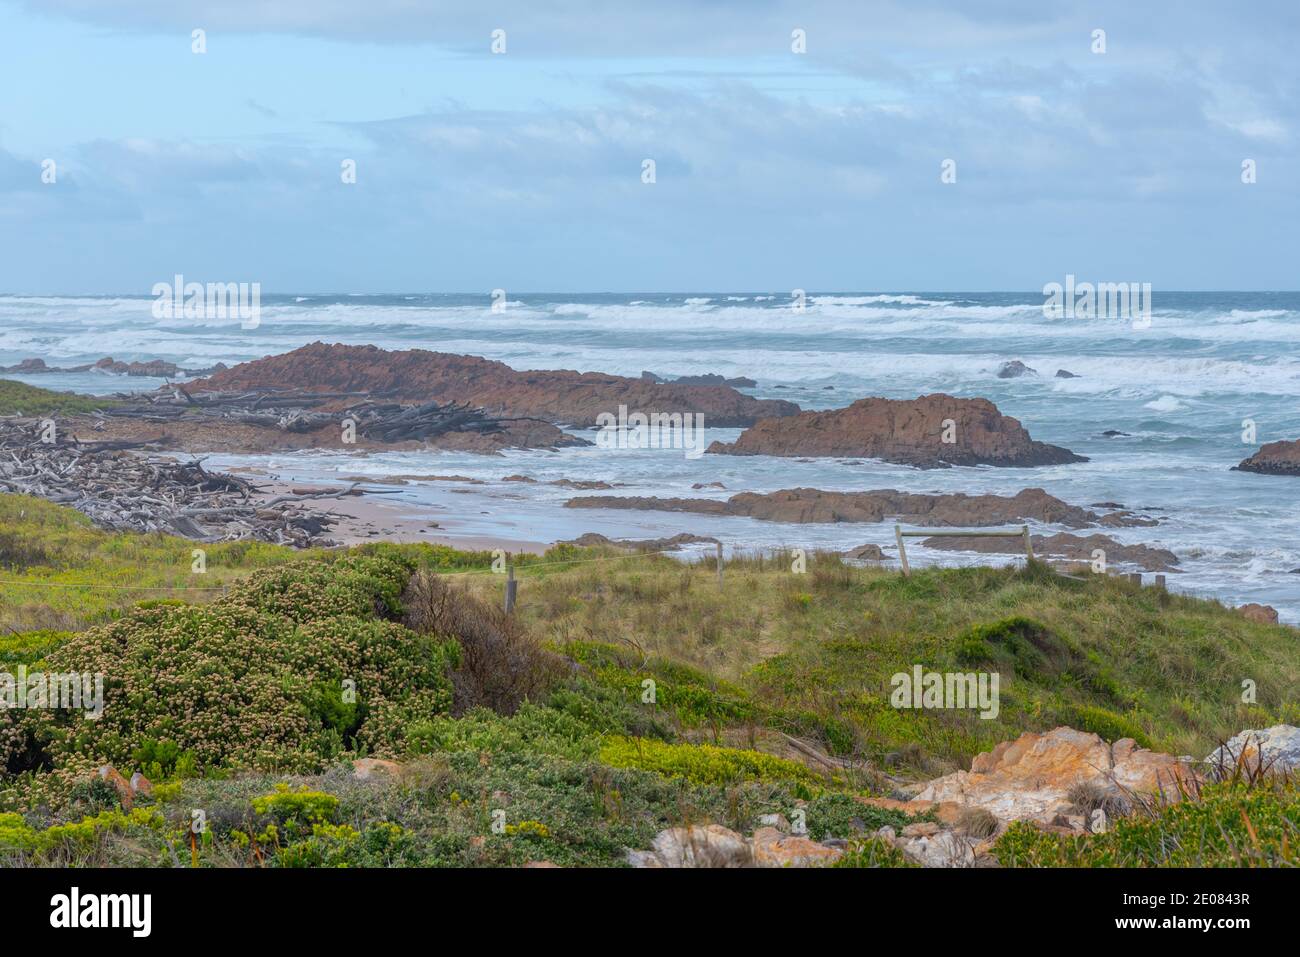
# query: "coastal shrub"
(357, 585)
(843, 816)
(701, 763)
(254, 680)
(73, 841)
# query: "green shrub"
(701, 763)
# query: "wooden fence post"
(1029, 549)
(902, 552)
(511, 586)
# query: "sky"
(524, 169)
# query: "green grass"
(817, 650)
(671, 708)
(18, 398)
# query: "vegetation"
(18, 398)
(1231, 824)
(626, 695)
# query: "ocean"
(1180, 389)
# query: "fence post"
(902, 552)
(719, 564)
(1029, 549)
(511, 586)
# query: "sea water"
(1181, 387)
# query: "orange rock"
(141, 785)
(907, 431)
(1031, 776)
(1265, 614)
(364, 769)
(774, 849)
(120, 784)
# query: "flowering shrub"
(288, 671)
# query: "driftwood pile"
(120, 486)
(297, 411)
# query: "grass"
(672, 705)
(18, 398)
(818, 649)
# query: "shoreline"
(368, 518)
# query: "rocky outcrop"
(1073, 547)
(1264, 614)
(866, 553)
(369, 769)
(709, 378)
(560, 396)
(810, 505)
(1275, 458)
(127, 790)
(220, 435)
(1274, 750)
(1065, 374)
(594, 539)
(155, 368)
(906, 432)
(1036, 776)
(708, 845)
(1015, 369)
(715, 846)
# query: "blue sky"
(523, 171)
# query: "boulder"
(1265, 614)
(709, 845)
(712, 845)
(1275, 749)
(366, 769)
(867, 553)
(1014, 370)
(1065, 374)
(120, 784)
(1030, 778)
(141, 785)
(771, 848)
(906, 432)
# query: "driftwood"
(297, 411)
(122, 486)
